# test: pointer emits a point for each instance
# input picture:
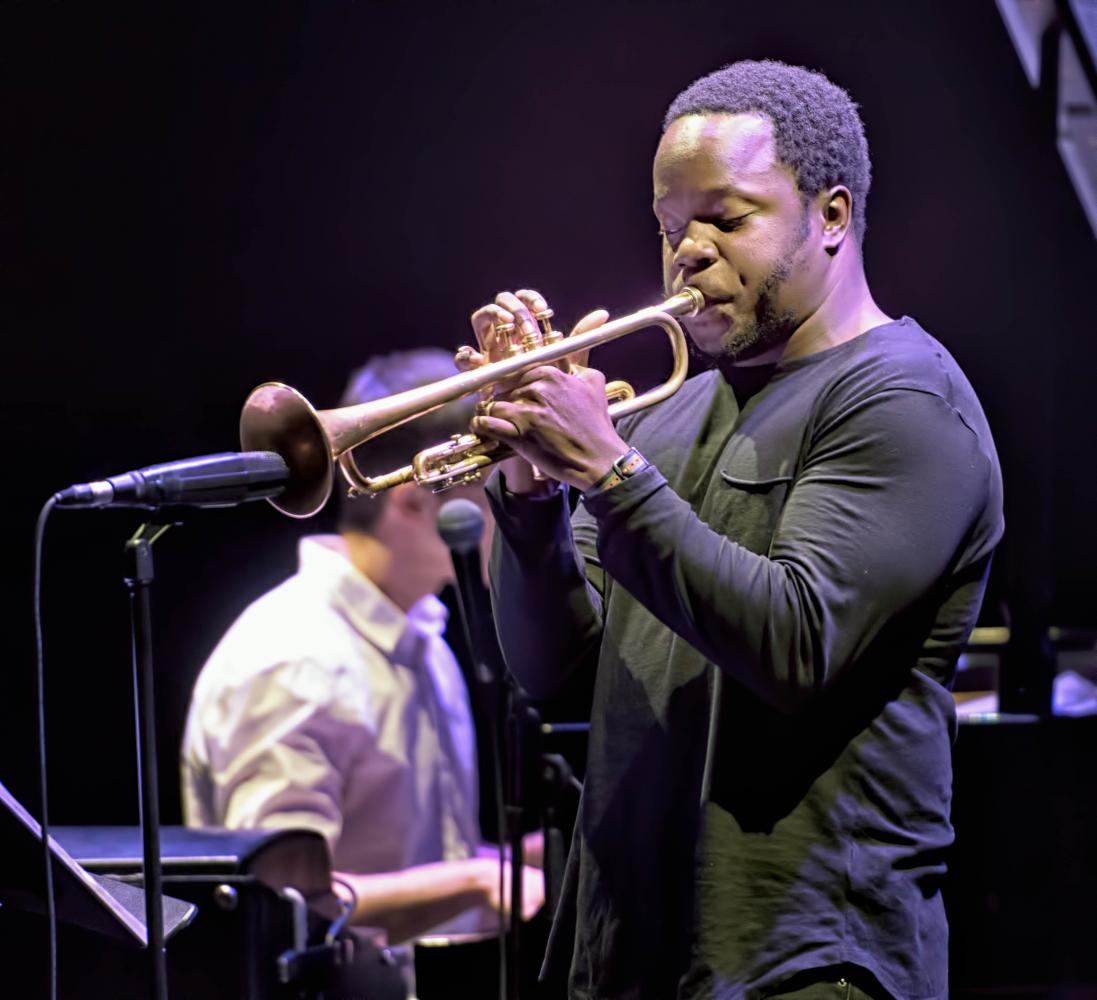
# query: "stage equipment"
(104, 907)
(264, 912)
(461, 526)
(207, 481)
(1022, 874)
(279, 419)
(231, 915)
(529, 783)
(1056, 41)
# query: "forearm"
(548, 616)
(870, 525)
(410, 902)
(533, 850)
(742, 611)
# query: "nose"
(695, 252)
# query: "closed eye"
(723, 225)
(730, 225)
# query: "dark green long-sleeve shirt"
(774, 610)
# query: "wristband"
(624, 467)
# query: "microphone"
(222, 480)
(461, 525)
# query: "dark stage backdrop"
(198, 198)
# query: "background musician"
(333, 702)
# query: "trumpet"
(278, 418)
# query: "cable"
(51, 909)
(349, 906)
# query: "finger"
(514, 414)
(538, 306)
(533, 300)
(485, 323)
(504, 387)
(531, 376)
(497, 333)
(533, 848)
(495, 429)
(488, 315)
(591, 321)
(467, 358)
(533, 892)
(592, 376)
(522, 316)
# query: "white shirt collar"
(369, 611)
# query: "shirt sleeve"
(872, 522)
(547, 587)
(280, 746)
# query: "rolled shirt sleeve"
(278, 748)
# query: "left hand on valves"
(557, 421)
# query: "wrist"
(597, 468)
(519, 479)
(623, 467)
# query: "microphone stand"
(218, 480)
(495, 683)
(512, 808)
(461, 526)
(522, 748)
(499, 699)
(139, 581)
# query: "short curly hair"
(817, 129)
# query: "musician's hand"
(533, 849)
(515, 308)
(533, 889)
(492, 346)
(557, 421)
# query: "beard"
(768, 326)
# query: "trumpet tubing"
(278, 418)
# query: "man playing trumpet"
(773, 573)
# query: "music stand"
(99, 904)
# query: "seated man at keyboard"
(334, 703)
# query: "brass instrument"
(279, 419)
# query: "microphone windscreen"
(461, 524)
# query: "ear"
(835, 207)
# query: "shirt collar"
(324, 559)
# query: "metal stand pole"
(138, 581)
(514, 811)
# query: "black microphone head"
(461, 524)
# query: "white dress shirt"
(325, 706)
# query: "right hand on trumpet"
(556, 421)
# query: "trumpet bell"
(278, 418)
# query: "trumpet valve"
(551, 336)
(505, 332)
(548, 334)
(455, 462)
(531, 336)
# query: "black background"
(198, 198)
